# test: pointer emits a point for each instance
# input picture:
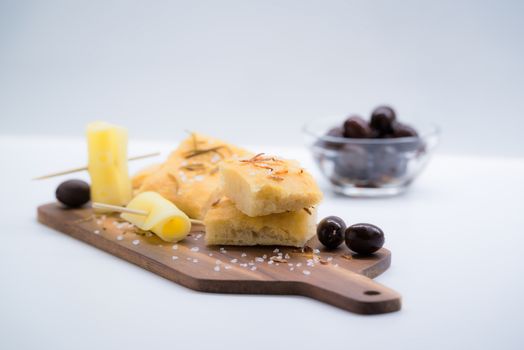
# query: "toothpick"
(117, 208)
(120, 209)
(83, 168)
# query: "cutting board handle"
(355, 292)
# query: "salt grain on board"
(195, 249)
(306, 272)
(174, 257)
(175, 247)
(96, 232)
(119, 237)
(136, 242)
(216, 268)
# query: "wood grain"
(338, 278)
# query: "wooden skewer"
(83, 168)
(119, 209)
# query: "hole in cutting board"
(371, 292)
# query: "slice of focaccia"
(227, 225)
(263, 185)
(189, 178)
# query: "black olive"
(356, 127)
(352, 163)
(334, 132)
(364, 239)
(403, 130)
(330, 231)
(382, 120)
(73, 193)
(388, 164)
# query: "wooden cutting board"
(334, 277)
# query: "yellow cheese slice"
(163, 219)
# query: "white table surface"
(457, 261)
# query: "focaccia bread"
(263, 185)
(189, 178)
(227, 225)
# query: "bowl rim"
(431, 129)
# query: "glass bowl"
(370, 167)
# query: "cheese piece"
(189, 178)
(164, 219)
(227, 225)
(107, 165)
(264, 185)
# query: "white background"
(255, 71)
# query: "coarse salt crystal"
(199, 178)
(270, 262)
(234, 261)
(195, 260)
(316, 251)
(227, 267)
(253, 268)
(299, 264)
(218, 262)
(251, 263)
(119, 237)
(336, 265)
(243, 265)
(276, 250)
(195, 249)
(287, 256)
(291, 268)
(243, 255)
(96, 232)
(199, 235)
(210, 254)
(306, 272)
(259, 259)
(216, 268)
(289, 264)
(280, 254)
(174, 257)
(175, 247)
(136, 242)
(330, 258)
(264, 256)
